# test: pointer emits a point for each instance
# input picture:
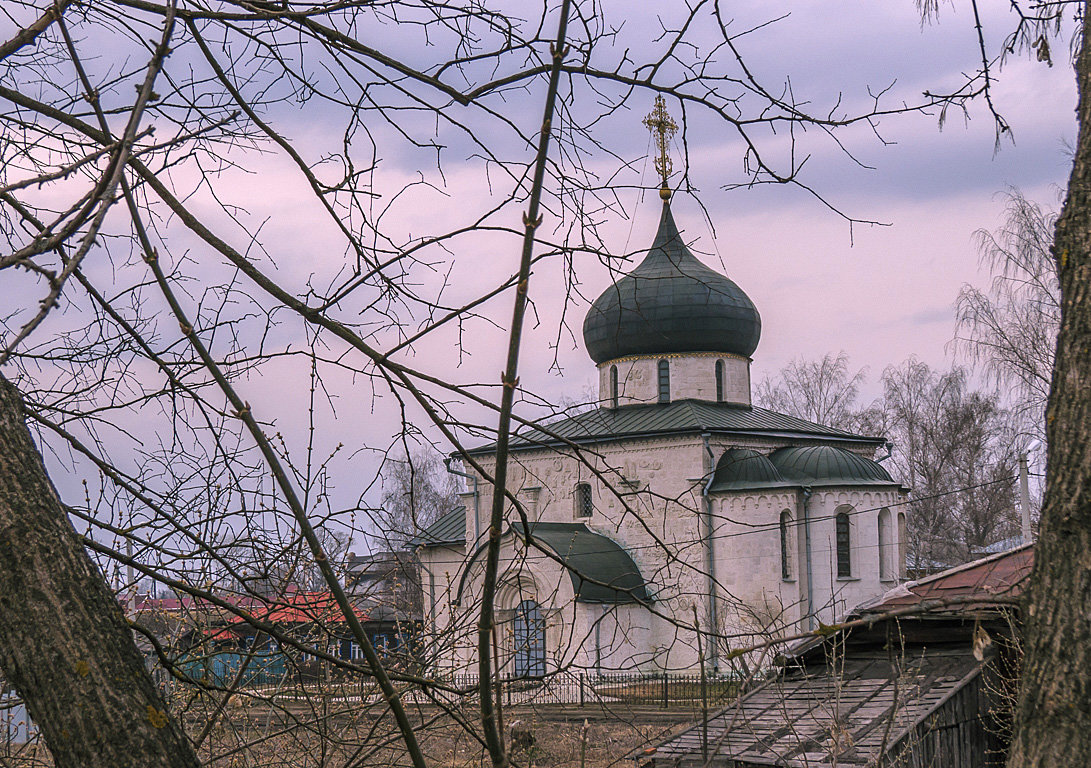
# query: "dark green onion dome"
(827, 465)
(741, 468)
(671, 303)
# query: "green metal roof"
(678, 417)
(670, 303)
(743, 469)
(601, 571)
(449, 529)
(828, 465)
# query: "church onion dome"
(671, 303)
(828, 465)
(744, 468)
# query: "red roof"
(187, 603)
(1004, 575)
(301, 608)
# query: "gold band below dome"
(675, 355)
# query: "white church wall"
(655, 527)
(615, 638)
(691, 376)
(834, 595)
(756, 600)
(445, 638)
(661, 480)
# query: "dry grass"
(321, 733)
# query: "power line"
(775, 526)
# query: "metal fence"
(577, 688)
(570, 688)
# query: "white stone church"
(674, 505)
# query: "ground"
(331, 731)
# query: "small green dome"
(827, 465)
(742, 468)
(671, 303)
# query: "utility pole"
(1024, 497)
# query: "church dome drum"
(671, 303)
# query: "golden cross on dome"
(663, 127)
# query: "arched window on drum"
(664, 381)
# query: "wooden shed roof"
(844, 713)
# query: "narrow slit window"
(613, 387)
(901, 545)
(785, 548)
(585, 506)
(844, 546)
(719, 381)
(664, 381)
(886, 546)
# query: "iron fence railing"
(570, 688)
(664, 689)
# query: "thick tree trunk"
(64, 643)
(1053, 726)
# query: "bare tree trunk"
(1053, 726)
(64, 643)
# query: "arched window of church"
(664, 381)
(785, 545)
(585, 505)
(843, 538)
(886, 546)
(901, 546)
(719, 381)
(613, 387)
(529, 637)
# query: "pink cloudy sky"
(880, 293)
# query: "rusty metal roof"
(998, 576)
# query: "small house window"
(785, 546)
(719, 381)
(613, 387)
(584, 503)
(844, 545)
(664, 381)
